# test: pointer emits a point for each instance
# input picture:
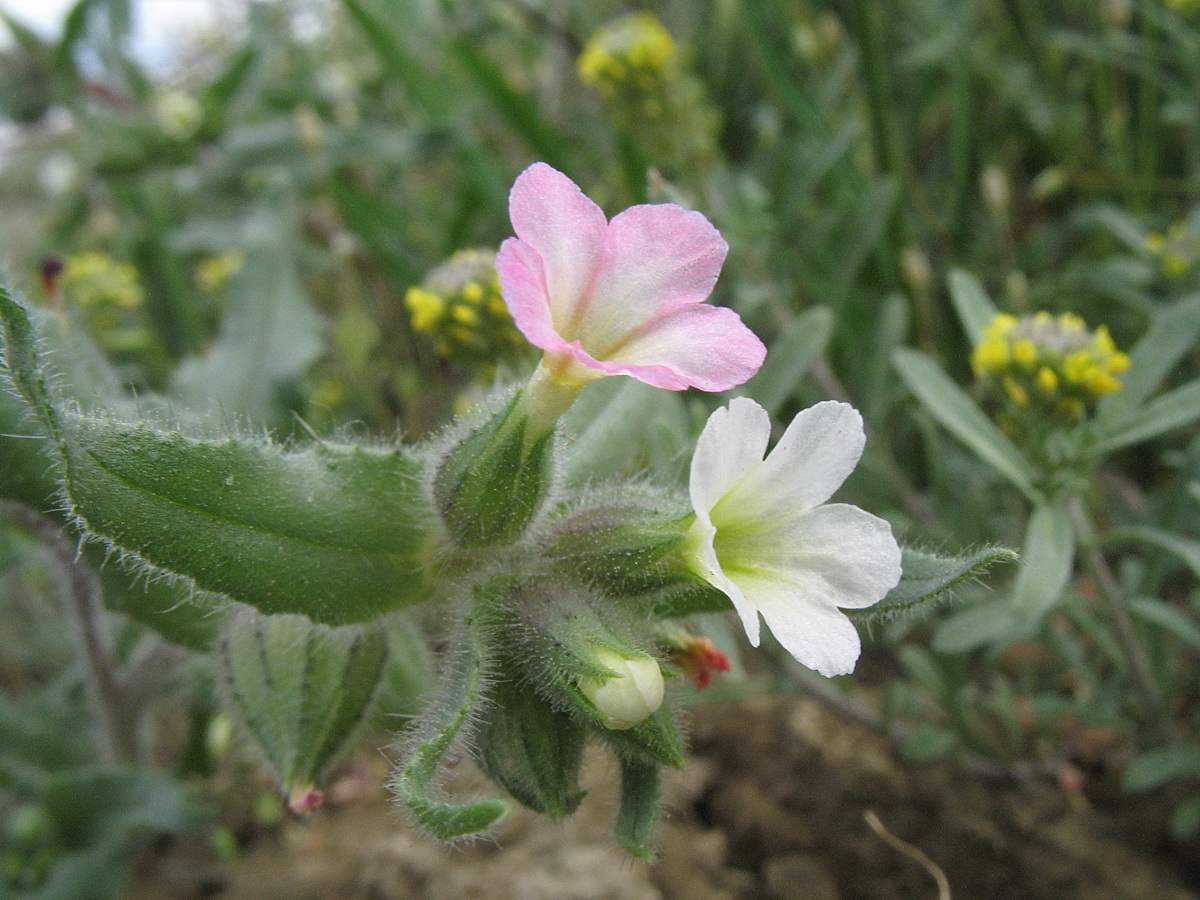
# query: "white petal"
(817, 636)
(706, 564)
(836, 554)
(731, 445)
(815, 455)
(658, 258)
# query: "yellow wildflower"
(1045, 365)
(460, 308)
(635, 49)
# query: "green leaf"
(1048, 557)
(1171, 334)
(791, 356)
(330, 531)
(975, 309)
(101, 806)
(950, 405)
(1167, 617)
(1172, 410)
(928, 742)
(975, 626)
(1186, 550)
(269, 335)
(521, 110)
(176, 611)
(641, 783)
(1185, 820)
(301, 689)
(928, 577)
(1156, 767)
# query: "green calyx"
(494, 481)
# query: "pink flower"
(624, 297)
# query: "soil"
(774, 805)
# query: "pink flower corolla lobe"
(624, 297)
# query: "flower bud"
(629, 696)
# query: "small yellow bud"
(426, 308)
(465, 315)
(1025, 353)
(472, 292)
(1077, 366)
(1016, 393)
(1047, 380)
(990, 356)
(1100, 383)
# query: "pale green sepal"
(490, 486)
(531, 749)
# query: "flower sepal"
(494, 480)
(531, 748)
(624, 544)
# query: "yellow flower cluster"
(633, 51)
(459, 306)
(96, 281)
(1048, 364)
(1177, 250)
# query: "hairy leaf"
(928, 577)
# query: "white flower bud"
(628, 697)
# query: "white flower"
(630, 695)
(765, 536)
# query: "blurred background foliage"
(269, 227)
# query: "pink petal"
(567, 230)
(658, 258)
(523, 283)
(702, 346)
